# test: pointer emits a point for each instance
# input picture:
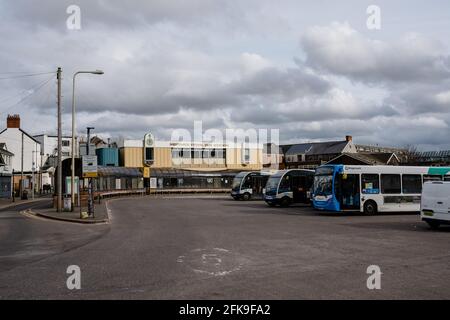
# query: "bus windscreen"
(237, 180)
(323, 185)
(272, 183)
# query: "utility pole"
(33, 163)
(90, 185)
(59, 168)
(13, 188)
(21, 171)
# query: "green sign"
(439, 170)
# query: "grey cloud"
(289, 83)
(169, 63)
(341, 50)
(422, 98)
(115, 13)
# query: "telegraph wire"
(19, 94)
(34, 90)
(26, 75)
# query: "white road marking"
(214, 262)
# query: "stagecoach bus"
(249, 184)
(289, 186)
(371, 189)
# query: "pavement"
(8, 203)
(100, 214)
(188, 248)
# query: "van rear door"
(436, 197)
(442, 195)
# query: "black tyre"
(246, 196)
(285, 202)
(433, 224)
(370, 207)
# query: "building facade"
(27, 161)
(5, 171)
(200, 156)
(108, 157)
(313, 154)
(190, 165)
(49, 149)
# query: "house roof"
(24, 132)
(312, 148)
(96, 140)
(367, 158)
(4, 151)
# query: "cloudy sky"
(312, 69)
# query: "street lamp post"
(90, 186)
(72, 190)
(33, 168)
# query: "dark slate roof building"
(313, 154)
(385, 158)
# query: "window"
(196, 153)
(246, 155)
(148, 154)
(370, 183)
(65, 143)
(206, 153)
(412, 183)
(247, 184)
(432, 177)
(181, 153)
(447, 178)
(390, 183)
(285, 182)
(322, 185)
(175, 153)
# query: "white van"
(435, 203)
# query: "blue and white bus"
(249, 184)
(372, 189)
(289, 186)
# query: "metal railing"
(119, 193)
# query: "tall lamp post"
(90, 186)
(72, 191)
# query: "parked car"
(435, 203)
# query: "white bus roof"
(397, 169)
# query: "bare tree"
(411, 154)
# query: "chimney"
(13, 121)
(348, 138)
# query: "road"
(187, 248)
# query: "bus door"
(299, 188)
(256, 183)
(347, 190)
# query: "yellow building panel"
(133, 157)
(163, 158)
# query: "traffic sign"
(89, 166)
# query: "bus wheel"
(285, 202)
(246, 196)
(433, 224)
(370, 207)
